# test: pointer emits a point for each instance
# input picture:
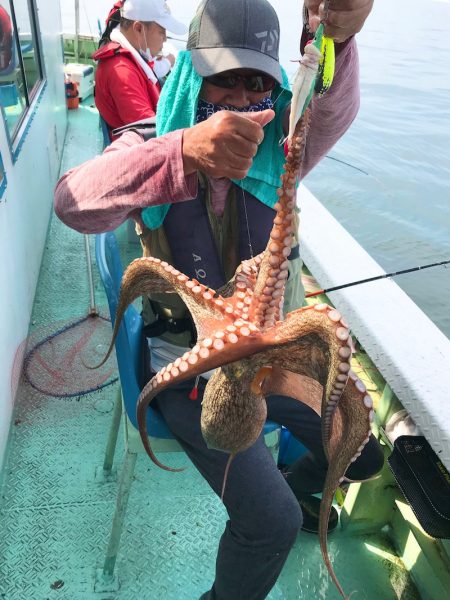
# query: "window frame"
(4, 180)
(33, 96)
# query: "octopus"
(256, 350)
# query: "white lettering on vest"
(200, 273)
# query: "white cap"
(152, 10)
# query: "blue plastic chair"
(128, 342)
(127, 348)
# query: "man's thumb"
(262, 117)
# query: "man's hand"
(224, 145)
(344, 18)
(170, 58)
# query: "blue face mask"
(207, 109)
(145, 53)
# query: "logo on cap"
(269, 40)
(166, 8)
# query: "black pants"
(264, 515)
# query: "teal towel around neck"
(177, 109)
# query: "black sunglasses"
(252, 83)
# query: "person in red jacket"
(126, 82)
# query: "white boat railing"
(409, 350)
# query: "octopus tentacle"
(325, 358)
(151, 275)
(350, 433)
(269, 288)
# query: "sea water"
(388, 179)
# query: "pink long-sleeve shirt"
(132, 174)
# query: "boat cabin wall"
(32, 131)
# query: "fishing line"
(248, 225)
(347, 164)
(376, 278)
(278, 97)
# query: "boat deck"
(56, 512)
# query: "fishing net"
(57, 355)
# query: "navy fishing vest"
(191, 240)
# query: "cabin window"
(21, 69)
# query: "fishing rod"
(376, 278)
(169, 37)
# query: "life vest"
(112, 49)
(6, 43)
(108, 50)
(108, 56)
(195, 252)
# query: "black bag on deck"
(424, 481)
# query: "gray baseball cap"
(235, 34)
